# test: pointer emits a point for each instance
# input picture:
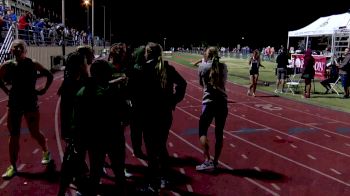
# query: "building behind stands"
(19, 6)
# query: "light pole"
(63, 31)
(104, 26)
(63, 14)
(93, 21)
(164, 44)
(87, 4)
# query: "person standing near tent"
(308, 72)
(344, 69)
(282, 62)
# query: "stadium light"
(86, 3)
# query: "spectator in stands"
(23, 98)
(308, 72)
(255, 64)
(23, 26)
(212, 77)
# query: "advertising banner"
(320, 64)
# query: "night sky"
(260, 22)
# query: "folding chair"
(335, 86)
(293, 83)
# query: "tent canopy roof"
(323, 26)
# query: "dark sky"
(260, 22)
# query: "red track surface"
(272, 146)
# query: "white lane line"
(3, 118)
(189, 188)
(289, 119)
(130, 149)
(58, 138)
(281, 132)
(312, 124)
(220, 162)
(335, 171)
(275, 186)
(293, 146)
(326, 135)
(182, 170)
(4, 184)
(333, 122)
(346, 144)
(311, 157)
(21, 167)
(171, 145)
(35, 151)
(261, 186)
(277, 154)
(244, 156)
(278, 137)
(175, 155)
(190, 106)
(232, 145)
(175, 193)
(257, 168)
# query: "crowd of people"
(129, 87)
(42, 31)
(99, 98)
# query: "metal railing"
(6, 45)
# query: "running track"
(272, 146)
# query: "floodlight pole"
(64, 26)
(93, 21)
(164, 44)
(63, 13)
(104, 26)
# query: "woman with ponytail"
(212, 77)
(155, 99)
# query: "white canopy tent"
(334, 26)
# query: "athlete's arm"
(44, 72)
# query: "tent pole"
(307, 42)
(333, 44)
(287, 48)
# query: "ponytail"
(214, 74)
